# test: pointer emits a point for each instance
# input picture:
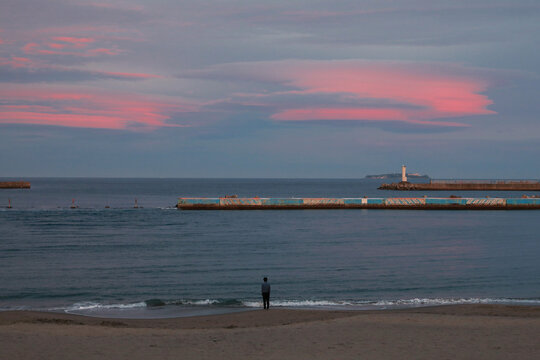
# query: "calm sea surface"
(157, 261)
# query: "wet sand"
(446, 332)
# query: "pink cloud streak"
(69, 46)
(88, 110)
(419, 93)
(23, 62)
(439, 95)
(17, 62)
(75, 41)
(69, 120)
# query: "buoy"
(9, 204)
(73, 206)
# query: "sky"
(269, 89)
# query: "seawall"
(421, 203)
(14, 185)
(464, 186)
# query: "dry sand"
(448, 332)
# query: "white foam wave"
(358, 304)
(301, 303)
(89, 305)
(200, 302)
(455, 301)
(395, 303)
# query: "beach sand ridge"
(447, 332)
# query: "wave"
(304, 303)
(397, 303)
(455, 301)
(312, 304)
(89, 305)
(205, 302)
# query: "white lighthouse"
(403, 173)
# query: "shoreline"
(166, 309)
(451, 331)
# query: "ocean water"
(157, 261)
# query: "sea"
(120, 248)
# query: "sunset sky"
(248, 88)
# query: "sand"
(447, 332)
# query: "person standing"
(265, 291)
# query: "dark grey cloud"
(53, 75)
(395, 127)
(32, 14)
(420, 23)
(279, 101)
(428, 24)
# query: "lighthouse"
(403, 173)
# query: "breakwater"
(419, 203)
(14, 185)
(464, 186)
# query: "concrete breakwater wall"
(463, 186)
(256, 203)
(14, 185)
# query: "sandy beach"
(446, 332)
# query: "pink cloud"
(29, 48)
(23, 62)
(104, 51)
(69, 120)
(17, 62)
(418, 93)
(70, 42)
(41, 95)
(75, 41)
(439, 95)
(57, 46)
(133, 75)
(69, 46)
(87, 109)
